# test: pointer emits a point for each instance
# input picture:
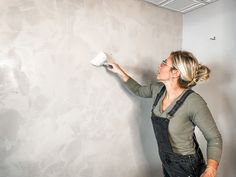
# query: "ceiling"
(182, 6)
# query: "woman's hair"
(190, 70)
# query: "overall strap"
(179, 103)
(158, 97)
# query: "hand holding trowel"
(103, 59)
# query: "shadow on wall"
(220, 98)
(146, 133)
(142, 126)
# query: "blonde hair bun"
(191, 71)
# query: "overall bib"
(175, 165)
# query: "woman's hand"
(209, 172)
(116, 68)
(211, 169)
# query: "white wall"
(62, 117)
(217, 19)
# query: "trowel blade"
(99, 59)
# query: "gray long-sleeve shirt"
(194, 112)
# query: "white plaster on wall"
(65, 117)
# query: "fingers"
(112, 66)
(208, 173)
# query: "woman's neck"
(173, 91)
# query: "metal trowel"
(100, 60)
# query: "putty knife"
(100, 60)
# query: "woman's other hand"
(209, 172)
(211, 169)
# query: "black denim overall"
(175, 165)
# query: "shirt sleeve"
(202, 118)
(139, 90)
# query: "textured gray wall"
(62, 117)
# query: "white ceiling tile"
(195, 6)
(182, 6)
(156, 2)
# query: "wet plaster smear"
(59, 115)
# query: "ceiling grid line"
(182, 6)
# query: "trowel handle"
(108, 66)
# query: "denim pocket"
(183, 169)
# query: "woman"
(176, 110)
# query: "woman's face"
(164, 70)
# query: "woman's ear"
(175, 73)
